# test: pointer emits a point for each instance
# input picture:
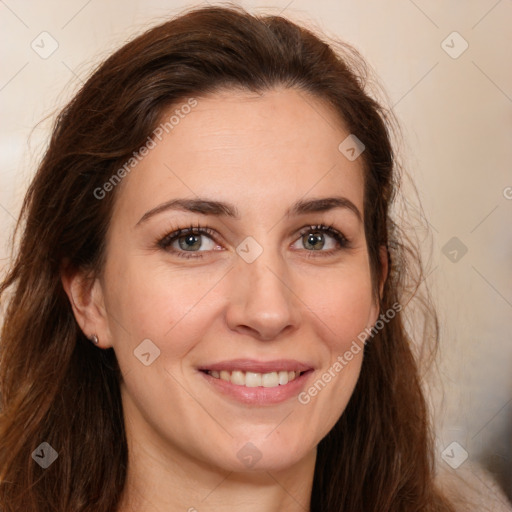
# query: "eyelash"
(168, 239)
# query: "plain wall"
(455, 112)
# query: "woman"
(206, 308)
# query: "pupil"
(313, 239)
(190, 241)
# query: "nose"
(263, 302)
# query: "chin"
(266, 455)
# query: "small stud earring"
(94, 339)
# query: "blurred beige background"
(446, 66)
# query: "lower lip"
(259, 395)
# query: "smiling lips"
(253, 374)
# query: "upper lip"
(251, 365)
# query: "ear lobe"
(86, 298)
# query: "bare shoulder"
(472, 489)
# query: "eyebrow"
(220, 209)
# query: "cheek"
(158, 303)
(344, 306)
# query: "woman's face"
(208, 326)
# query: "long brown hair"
(56, 387)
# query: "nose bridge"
(264, 298)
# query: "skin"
(261, 153)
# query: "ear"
(85, 295)
(383, 255)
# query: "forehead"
(255, 150)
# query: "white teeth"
(254, 379)
(270, 380)
(238, 378)
(283, 378)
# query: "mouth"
(256, 379)
(255, 382)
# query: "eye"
(313, 239)
(187, 241)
